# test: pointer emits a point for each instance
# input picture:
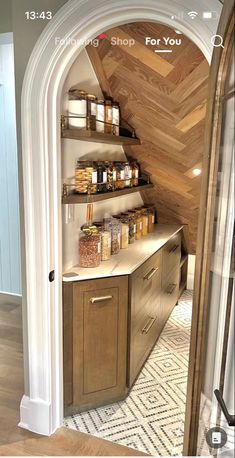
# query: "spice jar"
(108, 117)
(116, 118)
(77, 106)
(120, 176)
(100, 115)
(90, 247)
(85, 177)
(105, 245)
(128, 219)
(135, 174)
(127, 174)
(91, 111)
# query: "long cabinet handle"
(94, 300)
(151, 273)
(171, 288)
(174, 249)
(148, 326)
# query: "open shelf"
(84, 198)
(98, 137)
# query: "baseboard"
(35, 416)
(9, 298)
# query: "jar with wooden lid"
(91, 111)
(90, 247)
(108, 117)
(116, 118)
(128, 219)
(100, 115)
(135, 174)
(120, 176)
(77, 107)
(127, 174)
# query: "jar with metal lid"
(120, 176)
(100, 115)
(116, 118)
(127, 174)
(77, 107)
(108, 117)
(105, 245)
(135, 174)
(111, 175)
(89, 247)
(128, 219)
(91, 111)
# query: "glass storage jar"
(89, 247)
(128, 219)
(91, 111)
(85, 178)
(113, 224)
(100, 115)
(124, 235)
(139, 224)
(145, 221)
(77, 106)
(101, 177)
(116, 118)
(135, 174)
(105, 245)
(111, 175)
(108, 117)
(133, 216)
(127, 174)
(151, 217)
(120, 176)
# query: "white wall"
(82, 75)
(10, 271)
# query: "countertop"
(127, 260)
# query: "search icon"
(217, 41)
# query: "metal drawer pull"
(173, 249)
(94, 300)
(148, 326)
(171, 288)
(151, 273)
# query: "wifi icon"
(192, 14)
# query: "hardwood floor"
(17, 441)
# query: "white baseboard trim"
(35, 416)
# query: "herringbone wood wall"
(163, 96)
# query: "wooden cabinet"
(98, 345)
(145, 316)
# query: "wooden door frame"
(201, 306)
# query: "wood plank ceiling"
(163, 96)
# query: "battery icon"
(209, 15)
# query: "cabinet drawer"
(171, 254)
(146, 283)
(143, 340)
(170, 293)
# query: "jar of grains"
(120, 176)
(116, 118)
(77, 109)
(151, 217)
(113, 224)
(101, 177)
(145, 221)
(111, 175)
(124, 235)
(108, 117)
(105, 245)
(128, 219)
(139, 224)
(90, 247)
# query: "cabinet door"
(99, 341)
(170, 293)
(171, 254)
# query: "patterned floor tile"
(151, 419)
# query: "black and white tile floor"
(151, 419)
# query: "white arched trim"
(42, 404)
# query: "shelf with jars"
(94, 120)
(101, 180)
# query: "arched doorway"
(57, 48)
